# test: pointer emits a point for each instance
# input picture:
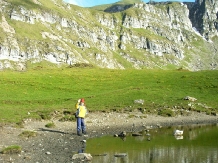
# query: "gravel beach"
(60, 143)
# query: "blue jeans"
(81, 125)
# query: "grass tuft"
(166, 112)
(50, 125)
(28, 134)
(15, 149)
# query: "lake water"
(199, 144)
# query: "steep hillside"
(117, 36)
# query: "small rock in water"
(122, 134)
(136, 134)
(120, 155)
(82, 156)
(101, 154)
(178, 132)
(84, 141)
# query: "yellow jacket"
(77, 105)
(81, 111)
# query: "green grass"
(50, 125)
(14, 149)
(43, 91)
(28, 134)
(27, 4)
(122, 2)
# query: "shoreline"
(153, 121)
(58, 144)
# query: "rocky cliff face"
(204, 17)
(161, 35)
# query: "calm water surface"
(199, 144)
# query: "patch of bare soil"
(58, 144)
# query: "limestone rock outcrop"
(158, 35)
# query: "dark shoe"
(84, 132)
(79, 133)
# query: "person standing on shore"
(80, 115)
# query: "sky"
(90, 3)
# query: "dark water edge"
(198, 144)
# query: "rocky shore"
(60, 143)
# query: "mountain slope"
(159, 35)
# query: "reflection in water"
(175, 154)
(198, 144)
(178, 137)
(83, 147)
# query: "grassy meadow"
(38, 92)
